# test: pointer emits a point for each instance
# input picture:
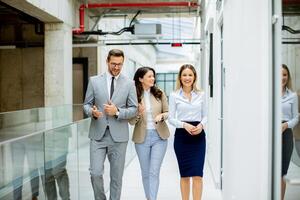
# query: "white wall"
(214, 103)
(247, 100)
(247, 115)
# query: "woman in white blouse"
(187, 112)
(289, 106)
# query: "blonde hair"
(178, 82)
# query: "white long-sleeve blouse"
(182, 110)
(289, 108)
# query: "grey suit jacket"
(124, 97)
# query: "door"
(80, 81)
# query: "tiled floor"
(293, 190)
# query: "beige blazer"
(158, 107)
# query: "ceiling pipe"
(290, 2)
(127, 5)
(289, 29)
(81, 20)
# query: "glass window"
(169, 77)
(169, 88)
(160, 77)
(166, 82)
(161, 85)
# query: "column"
(58, 64)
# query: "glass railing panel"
(15, 118)
(56, 116)
(21, 167)
(85, 186)
(49, 149)
(20, 123)
(61, 163)
(78, 113)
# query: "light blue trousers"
(151, 154)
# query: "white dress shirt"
(147, 100)
(289, 108)
(182, 110)
(108, 80)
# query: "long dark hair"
(140, 73)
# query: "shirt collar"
(286, 92)
(109, 75)
(181, 92)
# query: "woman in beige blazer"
(150, 131)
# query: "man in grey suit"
(110, 100)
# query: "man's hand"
(110, 109)
(96, 113)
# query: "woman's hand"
(197, 130)
(159, 118)
(188, 127)
(284, 126)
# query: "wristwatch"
(117, 113)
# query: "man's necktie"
(112, 86)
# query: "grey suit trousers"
(115, 152)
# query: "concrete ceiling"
(19, 29)
(12, 16)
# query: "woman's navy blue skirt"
(287, 150)
(190, 152)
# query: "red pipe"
(127, 5)
(290, 2)
(81, 20)
(148, 4)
